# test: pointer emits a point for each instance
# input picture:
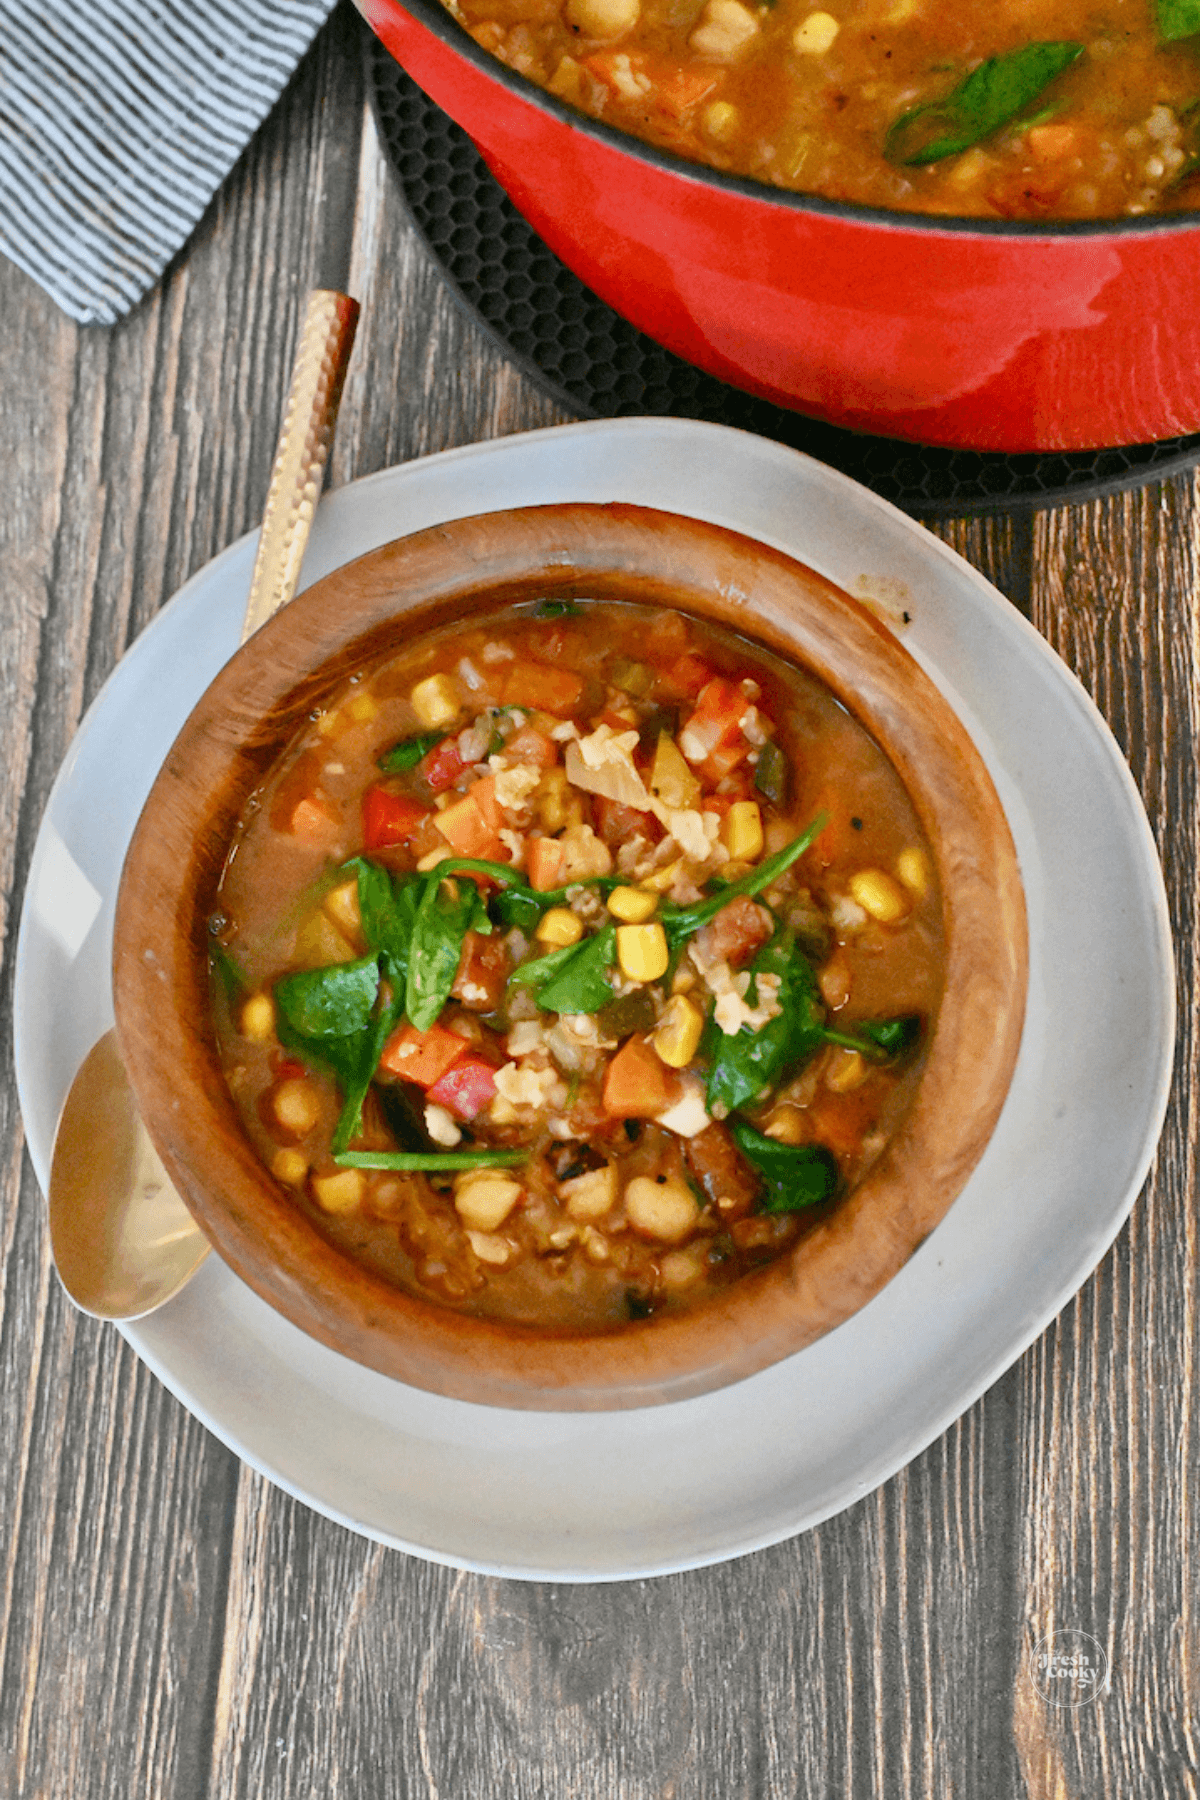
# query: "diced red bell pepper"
(466, 1088)
(390, 819)
(284, 1067)
(442, 766)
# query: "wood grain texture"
(170, 1625)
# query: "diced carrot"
(390, 819)
(616, 68)
(1051, 142)
(313, 821)
(466, 830)
(537, 685)
(422, 1056)
(544, 863)
(833, 843)
(678, 90)
(467, 1088)
(531, 746)
(637, 1085)
(483, 793)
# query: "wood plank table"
(170, 1624)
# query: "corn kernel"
(661, 879)
(590, 1196)
(603, 18)
(786, 1124)
(489, 1248)
(815, 35)
(912, 866)
(666, 1210)
(568, 80)
(559, 928)
(435, 701)
(342, 907)
(678, 1036)
(362, 708)
(879, 896)
(742, 831)
(340, 1193)
(258, 1018)
(632, 905)
(680, 1268)
(296, 1106)
(845, 1071)
(319, 943)
(642, 951)
(290, 1167)
(721, 120)
(483, 1199)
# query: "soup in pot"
(1050, 109)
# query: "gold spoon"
(123, 1241)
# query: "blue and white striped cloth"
(119, 120)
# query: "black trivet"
(596, 364)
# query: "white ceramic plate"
(596, 1497)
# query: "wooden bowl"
(240, 726)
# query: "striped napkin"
(119, 120)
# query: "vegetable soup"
(1051, 109)
(575, 961)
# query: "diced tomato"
(637, 1084)
(720, 707)
(686, 677)
(466, 1088)
(466, 830)
(544, 863)
(313, 821)
(482, 972)
(442, 766)
(532, 747)
(422, 1056)
(615, 822)
(737, 931)
(285, 1068)
(537, 685)
(390, 819)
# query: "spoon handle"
(326, 339)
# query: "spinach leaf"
(679, 922)
(445, 913)
(512, 907)
(332, 1002)
(433, 1163)
(328, 1016)
(1177, 19)
(771, 774)
(579, 984)
(555, 609)
(745, 1066)
(795, 1175)
(408, 753)
(387, 908)
(227, 969)
(989, 97)
(878, 1038)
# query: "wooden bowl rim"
(253, 708)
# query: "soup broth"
(1051, 109)
(575, 961)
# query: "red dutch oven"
(984, 334)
